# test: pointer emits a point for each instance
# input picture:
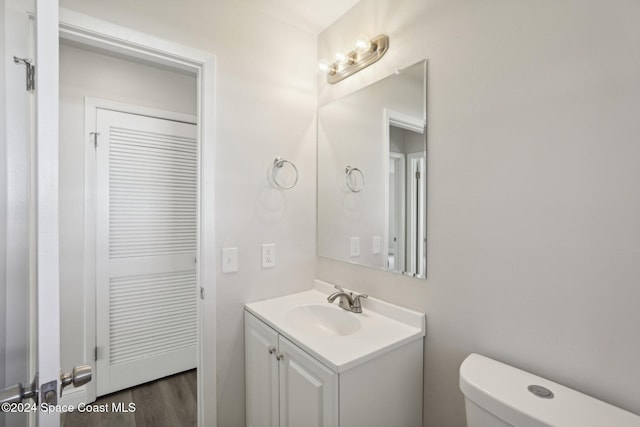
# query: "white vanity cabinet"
(286, 386)
(289, 387)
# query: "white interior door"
(397, 219)
(30, 205)
(18, 213)
(146, 246)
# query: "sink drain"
(540, 391)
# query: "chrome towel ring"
(354, 178)
(278, 165)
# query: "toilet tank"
(501, 395)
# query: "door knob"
(17, 393)
(80, 375)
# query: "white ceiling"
(313, 15)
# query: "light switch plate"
(229, 260)
(355, 247)
(268, 255)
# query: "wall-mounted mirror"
(372, 189)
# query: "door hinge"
(95, 138)
(31, 72)
(201, 293)
(95, 353)
(418, 175)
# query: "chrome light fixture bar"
(366, 53)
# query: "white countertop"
(384, 327)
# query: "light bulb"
(341, 58)
(344, 60)
(324, 66)
(363, 44)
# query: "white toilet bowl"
(498, 395)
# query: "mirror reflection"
(372, 175)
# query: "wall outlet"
(355, 247)
(376, 245)
(268, 255)
(229, 260)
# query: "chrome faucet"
(348, 301)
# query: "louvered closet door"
(146, 225)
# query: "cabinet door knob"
(279, 356)
(272, 350)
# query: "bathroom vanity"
(312, 363)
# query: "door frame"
(47, 251)
(416, 247)
(96, 33)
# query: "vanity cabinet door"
(308, 389)
(261, 346)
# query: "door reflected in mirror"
(406, 195)
(372, 180)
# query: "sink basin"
(323, 320)
(337, 338)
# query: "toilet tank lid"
(502, 390)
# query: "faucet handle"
(357, 297)
(339, 288)
(357, 305)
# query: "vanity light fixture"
(366, 52)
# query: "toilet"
(499, 395)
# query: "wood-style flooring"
(167, 402)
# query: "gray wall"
(533, 201)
